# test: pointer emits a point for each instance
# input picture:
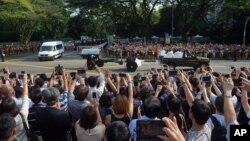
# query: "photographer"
(60, 82)
(91, 62)
(151, 108)
(93, 81)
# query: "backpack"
(219, 132)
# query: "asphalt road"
(72, 61)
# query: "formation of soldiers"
(17, 48)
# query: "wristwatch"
(227, 94)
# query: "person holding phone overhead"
(8, 105)
(92, 81)
(151, 107)
(122, 109)
(89, 127)
(54, 123)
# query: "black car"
(187, 60)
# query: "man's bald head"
(7, 90)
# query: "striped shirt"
(64, 99)
(203, 135)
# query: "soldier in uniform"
(2, 55)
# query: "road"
(72, 61)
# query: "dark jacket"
(54, 124)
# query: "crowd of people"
(17, 48)
(152, 50)
(147, 50)
(109, 106)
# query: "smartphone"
(20, 76)
(81, 71)
(248, 94)
(143, 78)
(48, 79)
(113, 75)
(216, 74)
(207, 80)
(237, 82)
(149, 129)
(226, 75)
(122, 75)
(58, 69)
(4, 71)
(172, 73)
(12, 75)
(28, 75)
(242, 68)
(165, 65)
(72, 74)
(94, 94)
(190, 73)
(22, 72)
(154, 76)
(248, 77)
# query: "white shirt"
(220, 119)
(99, 91)
(19, 102)
(213, 98)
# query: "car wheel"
(131, 66)
(120, 62)
(100, 63)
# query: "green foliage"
(219, 20)
(127, 16)
(18, 16)
(228, 26)
(27, 17)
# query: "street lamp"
(172, 28)
(244, 34)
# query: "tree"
(128, 16)
(228, 25)
(19, 15)
(54, 17)
(26, 17)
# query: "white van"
(51, 50)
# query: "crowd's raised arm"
(185, 105)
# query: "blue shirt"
(75, 107)
(64, 99)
